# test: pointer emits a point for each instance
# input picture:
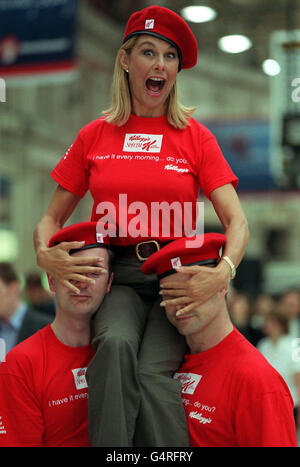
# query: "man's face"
(91, 295)
(8, 296)
(196, 320)
(291, 303)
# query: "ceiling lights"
(234, 44)
(198, 14)
(271, 67)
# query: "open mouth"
(155, 85)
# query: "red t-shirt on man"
(147, 162)
(234, 398)
(44, 394)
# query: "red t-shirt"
(234, 398)
(43, 393)
(146, 161)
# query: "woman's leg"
(114, 395)
(161, 421)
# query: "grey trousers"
(133, 400)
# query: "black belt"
(142, 250)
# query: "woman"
(146, 150)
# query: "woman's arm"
(56, 260)
(205, 282)
(229, 210)
(59, 210)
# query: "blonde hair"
(120, 110)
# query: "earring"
(126, 71)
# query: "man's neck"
(275, 338)
(72, 332)
(211, 335)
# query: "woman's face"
(152, 69)
(273, 328)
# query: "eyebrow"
(147, 42)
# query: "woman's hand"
(203, 284)
(56, 260)
(66, 268)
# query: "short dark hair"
(7, 273)
(280, 317)
(33, 280)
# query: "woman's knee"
(116, 342)
(122, 314)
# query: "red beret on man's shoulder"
(167, 25)
(199, 249)
(83, 231)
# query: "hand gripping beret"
(165, 24)
(181, 253)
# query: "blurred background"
(56, 61)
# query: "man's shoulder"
(247, 352)
(250, 367)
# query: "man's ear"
(15, 287)
(224, 291)
(51, 282)
(109, 282)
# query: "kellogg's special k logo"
(142, 143)
(79, 378)
(149, 24)
(176, 263)
(99, 237)
(189, 381)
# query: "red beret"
(167, 25)
(86, 231)
(182, 252)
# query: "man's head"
(34, 289)
(290, 303)
(201, 316)
(9, 290)
(276, 323)
(164, 262)
(87, 302)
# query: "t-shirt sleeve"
(72, 172)
(21, 422)
(214, 171)
(266, 420)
